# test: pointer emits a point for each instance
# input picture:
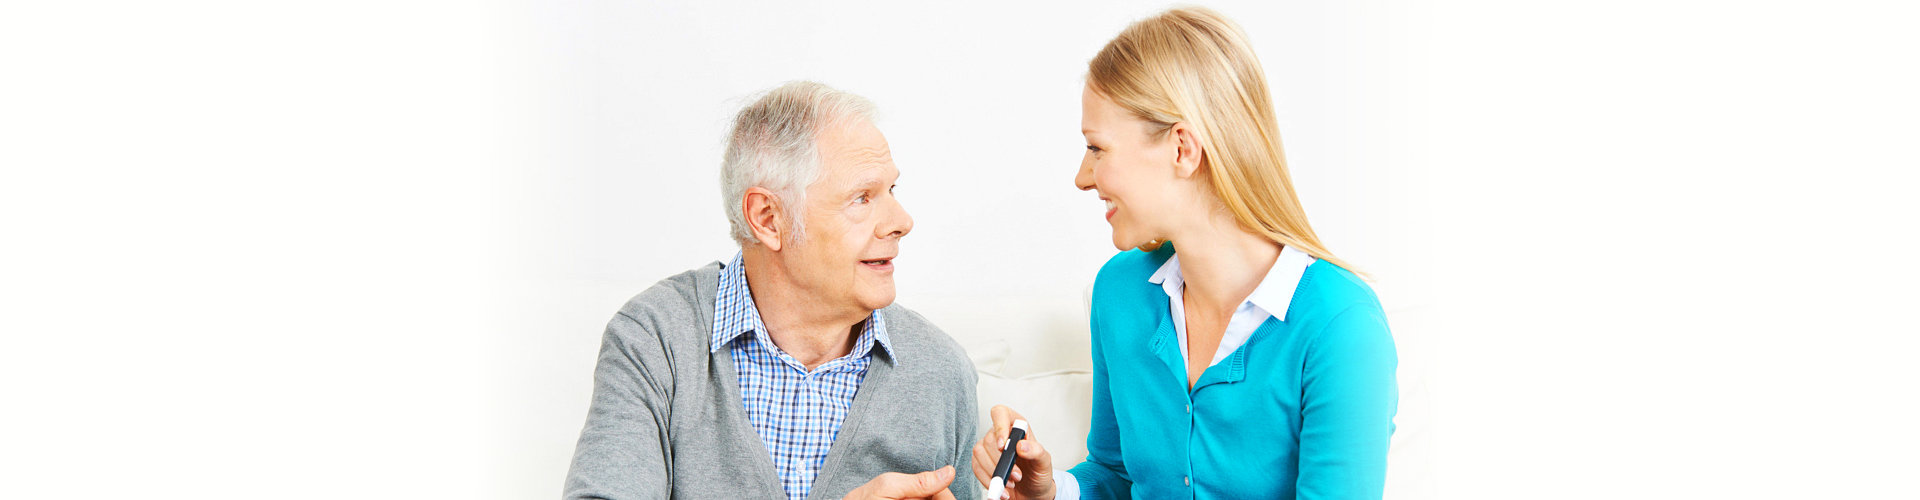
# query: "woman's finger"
(1032, 454)
(980, 471)
(1002, 421)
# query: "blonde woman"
(1234, 356)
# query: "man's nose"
(900, 223)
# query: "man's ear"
(1187, 150)
(765, 217)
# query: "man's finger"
(922, 485)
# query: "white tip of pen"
(1022, 425)
(997, 490)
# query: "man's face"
(853, 222)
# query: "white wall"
(980, 103)
(366, 249)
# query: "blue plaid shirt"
(796, 412)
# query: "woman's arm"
(1347, 410)
(1103, 475)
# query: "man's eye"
(861, 200)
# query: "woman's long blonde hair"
(1193, 65)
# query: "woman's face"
(1131, 168)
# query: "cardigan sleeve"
(965, 427)
(623, 452)
(1348, 402)
(1103, 475)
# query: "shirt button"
(1189, 408)
(1187, 480)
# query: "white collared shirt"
(1270, 299)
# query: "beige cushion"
(1056, 404)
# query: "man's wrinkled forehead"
(856, 153)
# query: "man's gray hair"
(773, 146)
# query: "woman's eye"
(861, 200)
(1093, 149)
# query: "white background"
(365, 249)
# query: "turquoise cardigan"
(1303, 410)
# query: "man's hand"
(896, 486)
(1032, 475)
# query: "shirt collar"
(734, 314)
(1274, 294)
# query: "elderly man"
(787, 372)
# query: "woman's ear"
(763, 213)
(1187, 150)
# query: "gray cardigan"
(667, 421)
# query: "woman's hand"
(1032, 475)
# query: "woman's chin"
(1125, 244)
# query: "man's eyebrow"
(869, 183)
(872, 181)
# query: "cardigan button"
(1189, 408)
(1187, 480)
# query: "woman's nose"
(1084, 178)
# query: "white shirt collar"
(1275, 292)
(1270, 298)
